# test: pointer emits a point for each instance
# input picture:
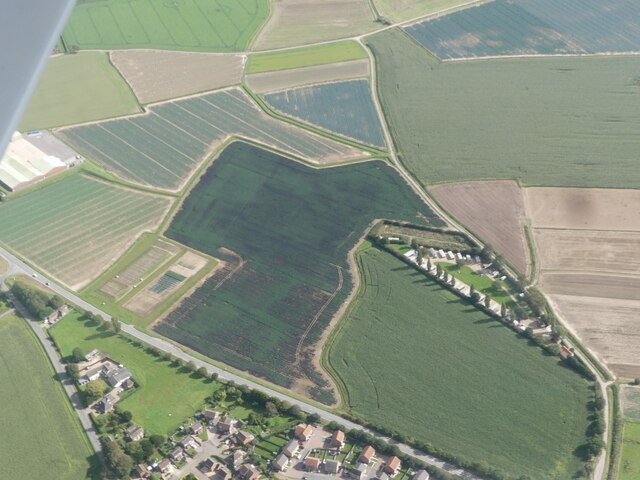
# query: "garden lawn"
(558, 121)
(166, 395)
(416, 358)
(41, 435)
(78, 88)
(305, 57)
(211, 26)
(481, 283)
(630, 463)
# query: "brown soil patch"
(297, 77)
(156, 75)
(588, 250)
(299, 22)
(494, 211)
(584, 208)
(609, 327)
(591, 285)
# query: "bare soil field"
(297, 77)
(299, 22)
(156, 75)
(166, 283)
(584, 208)
(609, 327)
(588, 250)
(588, 245)
(493, 210)
(591, 285)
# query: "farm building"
(34, 156)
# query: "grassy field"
(345, 108)
(545, 121)
(630, 462)
(414, 356)
(76, 227)
(305, 57)
(164, 147)
(78, 88)
(503, 27)
(401, 10)
(213, 26)
(41, 435)
(293, 226)
(166, 396)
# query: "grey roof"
(292, 446)
(421, 475)
(118, 376)
(281, 460)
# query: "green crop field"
(415, 357)
(545, 121)
(293, 226)
(162, 148)
(41, 435)
(305, 57)
(212, 26)
(401, 10)
(166, 395)
(76, 227)
(76, 89)
(630, 462)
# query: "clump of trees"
(38, 303)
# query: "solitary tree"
(313, 418)
(116, 325)
(446, 276)
(459, 263)
(472, 291)
(77, 355)
(202, 372)
(419, 257)
(191, 366)
(213, 377)
(438, 270)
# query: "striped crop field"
(345, 108)
(164, 146)
(529, 27)
(211, 26)
(75, 228)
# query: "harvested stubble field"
(506, 116)
(530, 27)
(299, 22)
(345, 108)
(285, 79)
(212, 26)
(415, 356)
(401, 10)
(166, 395)
(76, 227)
(41, 435)
(305, 57)
(78, 88)
(630, 462)
(587, 242)
(159, 75)
(492, 210)
(631, 402)
(163, 147)
(292, 226)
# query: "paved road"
(17, 266)
(61, 373)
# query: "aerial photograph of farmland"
(320, 240)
